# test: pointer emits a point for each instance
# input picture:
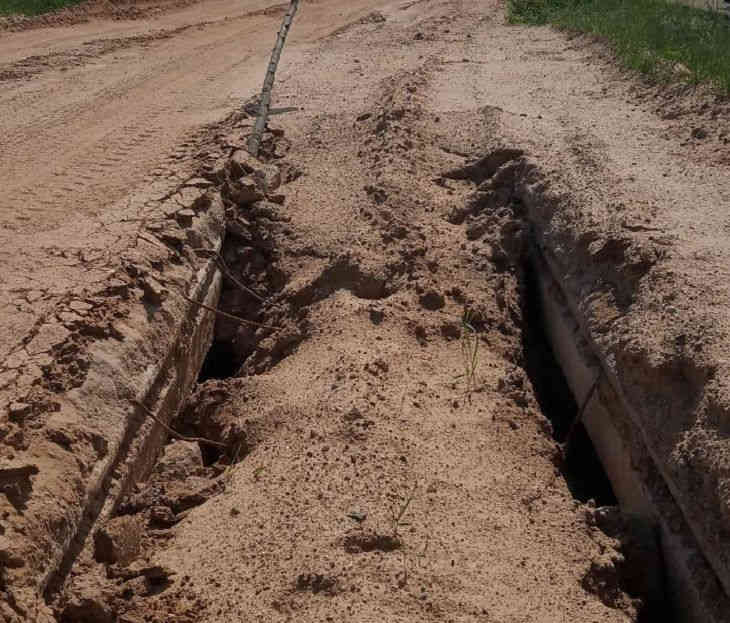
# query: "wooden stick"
(254, 142)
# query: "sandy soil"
(77, 137)
(367, 474)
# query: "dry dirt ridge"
(419, 295)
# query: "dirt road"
(469, 237)
(94, 110)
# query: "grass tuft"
(469, 351)
(667, 41)
(32, 7)
(398, 511)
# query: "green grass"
(32, 7)
(668, 42)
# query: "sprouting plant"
(398, 511)
(410, 558)
(469, 350)
(234, 455)
(257, 472)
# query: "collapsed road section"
(295, 421)
(425, 359)
(227, 298)
(685, 549)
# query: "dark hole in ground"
(157, 585)
(221, 362)
(210, 454)
(581, 468)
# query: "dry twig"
(579, 417)
(228, 273)
(225, 314)
(173, 432)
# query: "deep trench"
(221, 361)
(581, 467)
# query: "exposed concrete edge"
(608, 369)
(642, 493)
(543, 199)
(167, 383)
(154, 359)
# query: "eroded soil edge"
(416, 313)
(358, 452)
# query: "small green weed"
(398, 511)
(469, 350)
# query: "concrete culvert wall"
(669, 564)
(593, 460)
(667, 571)
(608, 456)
